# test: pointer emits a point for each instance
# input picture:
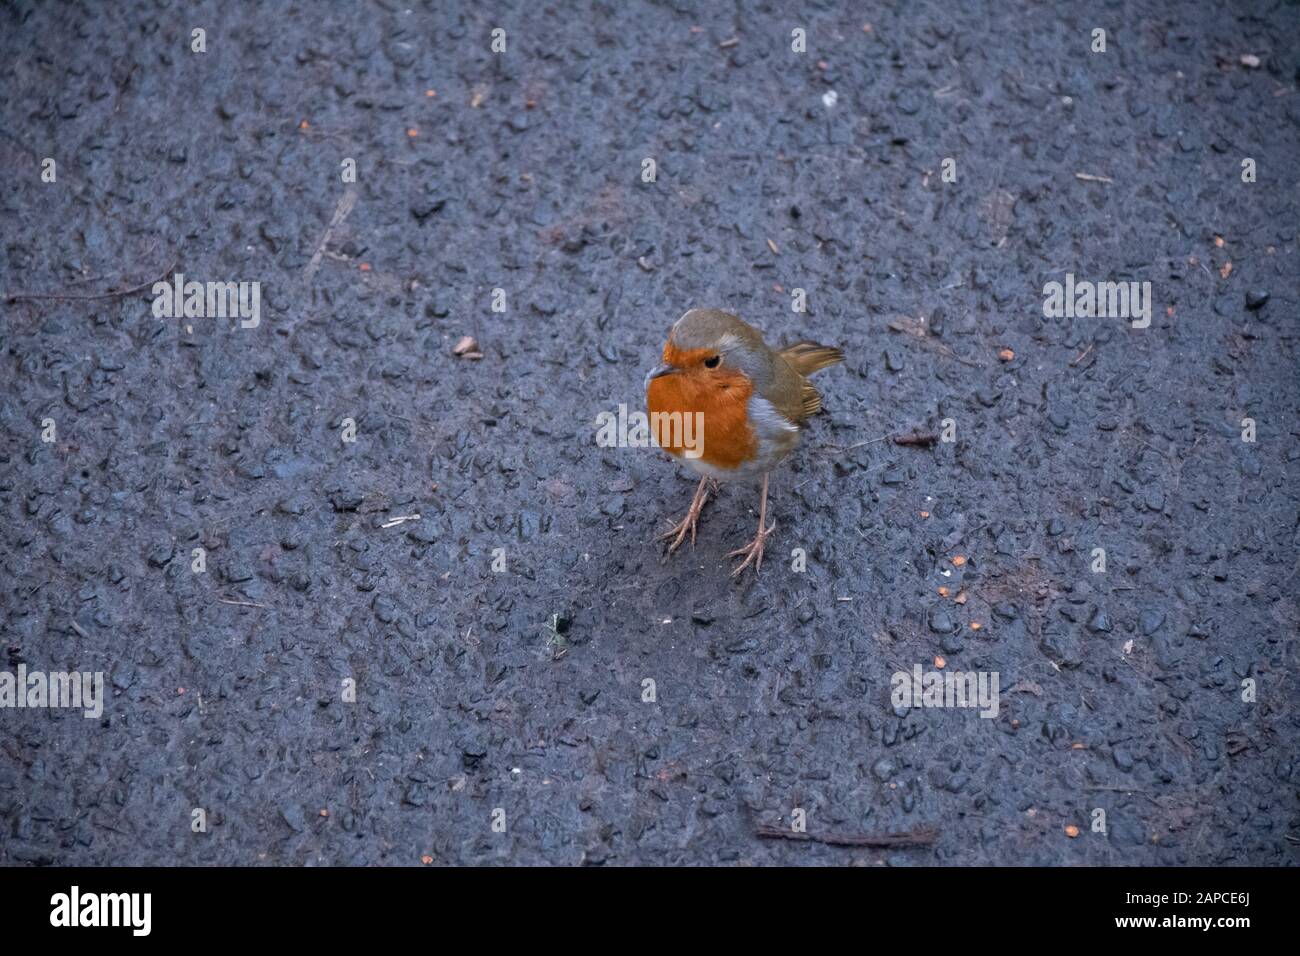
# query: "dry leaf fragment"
(1028, 686)
(961, 599)
(1225, 270)
(467, 348)
(909, 325)
(1072, 831)
(958, 561)
(940, 663)
(1006, 355)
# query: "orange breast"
(729, 440)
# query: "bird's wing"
(805, 358)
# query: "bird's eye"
(712, 362)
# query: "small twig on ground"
(1089, 178)
(67, 296)
(1080, 357)
(843, 448)
(921, 836)
(79, 629)
(341, 211)
(923, 439)
(399, 519)
(241, 603)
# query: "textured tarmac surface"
(523, 690)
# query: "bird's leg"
(692, 516)
(754, 550)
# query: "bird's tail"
(808, 357)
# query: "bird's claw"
(689, 522)
(680, 529)
(753, 551)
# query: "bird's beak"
(658, 372)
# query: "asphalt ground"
(296, 671)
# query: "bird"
(751, 400)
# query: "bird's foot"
(753, 551)
(687, 525)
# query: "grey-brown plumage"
(781, 375)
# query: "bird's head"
(708, 352)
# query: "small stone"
(471, 753)
(1123, 759)
(1256, 300)
(941, 622)
(1100, 623)
(385, 610)
(423, 531)
(1150, 620)
(161, 553)
(294, 816)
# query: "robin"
(750, 399)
